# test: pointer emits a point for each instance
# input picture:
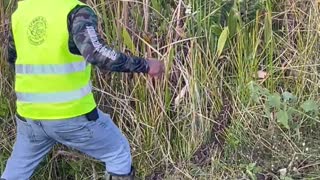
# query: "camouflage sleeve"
(8, 46)
(12, 54)
(83, 24)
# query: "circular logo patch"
(37, 31)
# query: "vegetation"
(240, 98)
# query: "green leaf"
(249, 169)
(274, 101)
(222, 40)
(287, 97)
(291, 112)
(232, 22)
(254, 91)
(268, 26)
(216, 29)
(283, 118)
(310, 106)
(251, 166)
(128, 40)
(264, 91)
(156, 5)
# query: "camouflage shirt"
(84, 40)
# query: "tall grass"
(213, 50)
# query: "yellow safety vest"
(51, 83)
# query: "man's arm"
(12, 54)
(83, 25)
(8, 46)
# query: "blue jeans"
(100, 139)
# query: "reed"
(223, 109)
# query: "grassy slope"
(167, 121)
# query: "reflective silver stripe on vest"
(51, 68)
(60, 97)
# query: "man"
(52, 47)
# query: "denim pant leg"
(100, 139)
(30, 147)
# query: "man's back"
(60, 80)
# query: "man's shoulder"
(79, 15)
(82, 11)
